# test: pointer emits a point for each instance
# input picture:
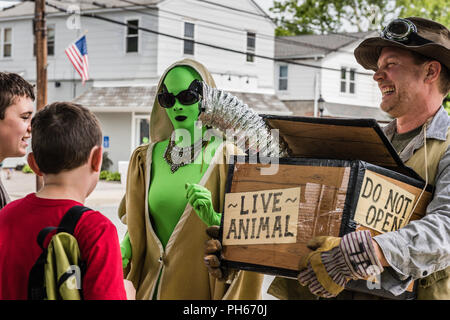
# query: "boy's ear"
(96, 158)
(33, 165)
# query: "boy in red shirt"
(67, 152)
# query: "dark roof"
(117, 97)
(262, 103)
(27, 8)
(144, 96)
(353, 111)
(306, 46)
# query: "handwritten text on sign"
(382, 205)
(261, 217)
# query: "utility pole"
(40, 33)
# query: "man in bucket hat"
(411, 60)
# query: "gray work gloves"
(335, 261)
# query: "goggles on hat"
(403, 31)
(186, 97)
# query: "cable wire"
(218, 47)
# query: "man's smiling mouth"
(387, 90)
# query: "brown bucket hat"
(431, 39)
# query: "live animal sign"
(382, 205)
(261, 217)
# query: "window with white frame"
(348, 76)
(283, 78)
(132, 40)
(6, 43)
(50, 41)
(251, 46)
(189, 33)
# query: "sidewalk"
(105, 197)
(106, 193)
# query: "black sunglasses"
(186, 97)
(403, 31)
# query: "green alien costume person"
(175, 189)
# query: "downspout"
(316, 91)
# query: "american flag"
(78, 56)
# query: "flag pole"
(78, 35)
(40, 33)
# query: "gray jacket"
(423, 246)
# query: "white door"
(142, 132)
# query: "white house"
(317, 75)
(131, 43)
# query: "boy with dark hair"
(16, 108)
(67, 152)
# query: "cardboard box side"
(423, 197)
(326, 191)
(245, 177)
(355, 182)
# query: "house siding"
(117, 126)
(110, 65)
(302, 91)
(222, 64)
(365, 86)
(301, 79)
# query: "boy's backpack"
(57, 273)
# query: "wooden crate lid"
(344, 139)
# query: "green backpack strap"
(36, 288)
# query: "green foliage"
(109, 176)
(113, 176)
(447, 103)
(103, 174)
(26, 169)
(329, 16)
(436, 10)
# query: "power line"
(232, 8)
(287, 61)
(293, 42)
(215, 24)
(240, 31)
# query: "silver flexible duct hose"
(221, 110)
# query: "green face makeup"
(177, 80)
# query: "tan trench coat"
(183, 274)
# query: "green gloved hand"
(125, 249)
(200, 199)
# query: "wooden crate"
(336, 195)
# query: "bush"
(26, 169)
(113, 176)
(103, 174)
(109, 176)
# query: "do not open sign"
(382, 205)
